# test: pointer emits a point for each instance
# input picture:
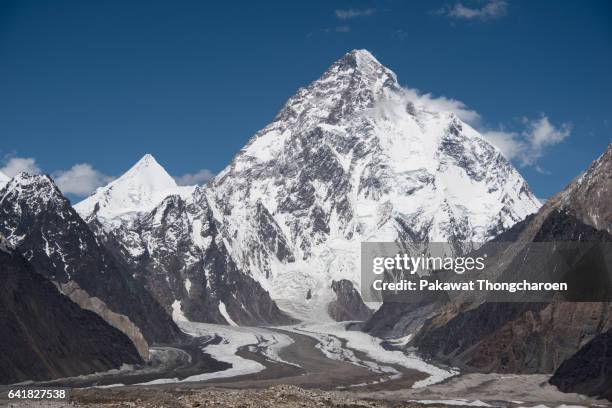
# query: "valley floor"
(303, 365)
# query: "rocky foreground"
(279, 396)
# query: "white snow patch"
(401, 341)
(226, 316)
(177, 312)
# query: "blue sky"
(101, 83)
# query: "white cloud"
(529, 145)
(81, 179)
(507, 142)
(490, 10)
(352, 13)
(524, 146)
(200, 177)
(541, 133)
(442, 103)
(16, 165)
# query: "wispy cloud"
(530, 144)
(338, 29)
(525, 145)
(344, 16)
(14, 165)
(506, 141)
(488, 10)
(81, 179)
(353, 13)
(442, 103)
(199, 177)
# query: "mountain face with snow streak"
(137, 191)
(174, 247)
(178, 251)
(352, 157)
(39, 222)
(45, 335)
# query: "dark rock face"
(348, 304)
(45, 335)
(179, 254)
(41, 225)
(564, 226)
(518, 337)
(396, 319)
(272, 236)
(589, 371)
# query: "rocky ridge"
(39, 222)
(45, 335)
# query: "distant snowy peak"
(4, 179)
(139, 190)
(38, 191)
(26, 197)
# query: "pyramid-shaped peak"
(363, 56)
(362, 64)
(138, 190)
(359, 59)
(148, 159)
(148, 171)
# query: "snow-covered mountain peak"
(355, 81)
(138, 190)
(37, 191)
(354, 84)
(147, 172)
(38, 184)
(354, 157)
(363, 62)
